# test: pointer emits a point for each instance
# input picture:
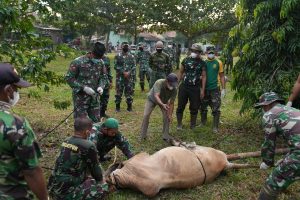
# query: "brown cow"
(171, 167)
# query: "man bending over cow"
(78, 157)
(279, 120)
(106, 136)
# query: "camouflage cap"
(159, 45)
(111, 123)
(125, 44)
(140, 44)
(196, 47)
(9, 75)
(268, 98)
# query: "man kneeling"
(77, 158)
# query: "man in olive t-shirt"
(163, 94)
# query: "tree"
(268, 39)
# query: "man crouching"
(78, 156)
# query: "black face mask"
(141, 49)
(159, 50)
(125, 49)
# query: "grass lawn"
(237, 134)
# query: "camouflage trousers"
(287, 172)
(154, 76)
(88, 190)
(86, 106)
(143, 74)
(126, 87)
(104, 99)
(15, 192)
(212, 99)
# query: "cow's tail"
(240, 166)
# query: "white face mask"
(211, 56)
(170, 46)
(194, 55)
(15, 99)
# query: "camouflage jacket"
(160, 62)
(143, 60)
(77, 158)
(19, 151)
(170, 52)
(106, 61)
(87, 71)
(105, 143)
(193, 68)
(280, 121)
(125, 63)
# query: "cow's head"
(109, 176)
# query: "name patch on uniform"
(70, 146)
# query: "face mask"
(125, 49)
(211, 56)
(159, 50)
(15, 99)
(141, 49)
(194, 55)
(170, 46)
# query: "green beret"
(111, 123)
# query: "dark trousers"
(188, 93)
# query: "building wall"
(114, 38)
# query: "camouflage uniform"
(177, 57)
(143, 61)
(160, 66)
(69, 180)
(105, 95)
(125, 63)
(106, 143)
(19, 151)
(86, 71)
(171, 53)
(282, 121)
(189, 89)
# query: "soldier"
(163, 93)
(105, 96)
(20, 176)
(189, 90)
(177, 55)
(170, 51)
(279, 121)
(143, 61)
(86, 76)
(125, 77)
(214, 70)
(159, 63)
(106, 136)
(77, 158)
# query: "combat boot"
(216, 121)
(118, 107)
(102, 112)
(129, 107)
(179, 120)
(193, 121)
(203, 119)
(142, 87)
(268, 193)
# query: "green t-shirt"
(214, 67)
(160, 86)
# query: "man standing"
(143, 61)
(170, 51)
(20, 174)
(105, 96)
(106, 136)
(159, 63)
(193, 67)
(86, 76)
(163, 94)
(77, 159)
(212, 97)
(125, 77)
(279, 121)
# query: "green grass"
(237, 134)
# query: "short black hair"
(82, 124)
(98, 49)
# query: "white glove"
(289, 104)
(264, 166)
(88, 90)
(223, 93)
(100, 90)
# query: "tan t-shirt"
(160, 86)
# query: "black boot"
(118, 107)
(102, 112)
(203, 119)
(129, 107)
(216, 121)
(179, 120)
(268, 194)
(104, 158)
(142, 87)
(193, 121)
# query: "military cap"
(111, 123)
(268, 98)
(9, 75)
(196, 47)
(172, 79)
(125, 44)
(140, 44)
(159, 45)
(210, 50)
